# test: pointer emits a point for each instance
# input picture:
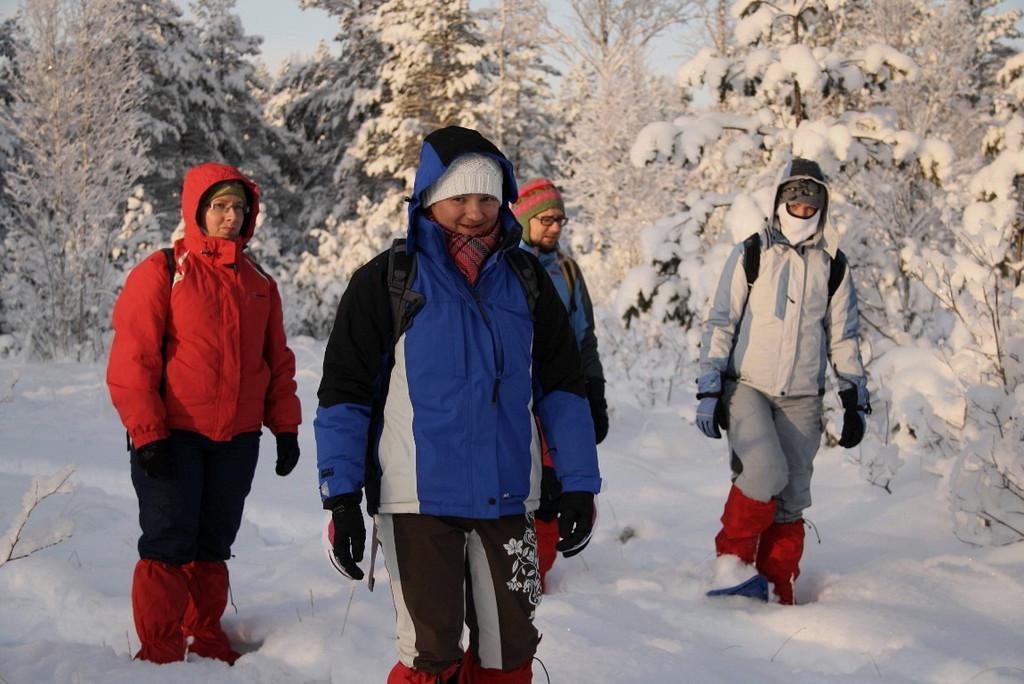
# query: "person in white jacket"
(784, 308)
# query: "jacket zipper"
(498, 357)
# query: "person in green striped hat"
(540, 210)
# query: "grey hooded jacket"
(779, 337)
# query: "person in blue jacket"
(438, 427)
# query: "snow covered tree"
(979, 286)
(235, 129)
(324, 101)
(520, 112)
(949, 99)
(74, 111)
(167, 52)
(432, 76)
(405, 68)
(610, 94)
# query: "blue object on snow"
(756, 588)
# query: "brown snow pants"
(446, 572)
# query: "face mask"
(796, 229)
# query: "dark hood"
(795, 169)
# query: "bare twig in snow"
(772, 659)
(40, 489)
(344, 622)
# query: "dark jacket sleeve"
(353, 361)
(560, 394)
(588, 345)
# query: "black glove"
(598, 408)
(287, 452)
(349, 539)
(854, 421)
(575, 522)
(550, 492)
(157, 459)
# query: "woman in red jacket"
(199, 363)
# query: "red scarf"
(469, 252)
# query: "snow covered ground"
(889, 595)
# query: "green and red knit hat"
(536, 196)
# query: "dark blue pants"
(196, 515)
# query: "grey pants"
(773, 442)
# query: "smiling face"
(473, 214)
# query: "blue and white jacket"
(444, 424)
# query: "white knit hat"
(468, 174)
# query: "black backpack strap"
(404, 302)
(570, 271)
(169, 256)
(836, 273)
(523, 266)
(752, 258)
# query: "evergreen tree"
(235, 130)
(406, 67)
(168, 55)
(432, 75)
(324, 101)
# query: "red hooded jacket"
(209, 353)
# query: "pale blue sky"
(288, 30)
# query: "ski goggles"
(803, 190)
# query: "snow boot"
(208, 594)
(547, 538)
(159, 600)
(402, 674)
(778, 557)
(756, 588)
(743, 521)
(473, 672)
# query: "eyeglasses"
(548, 221)
(221, 208)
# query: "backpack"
(752, 264)
(571, 273)
(405, 303)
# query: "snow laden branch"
(979, 285)
(769, 76)
(40, 489)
